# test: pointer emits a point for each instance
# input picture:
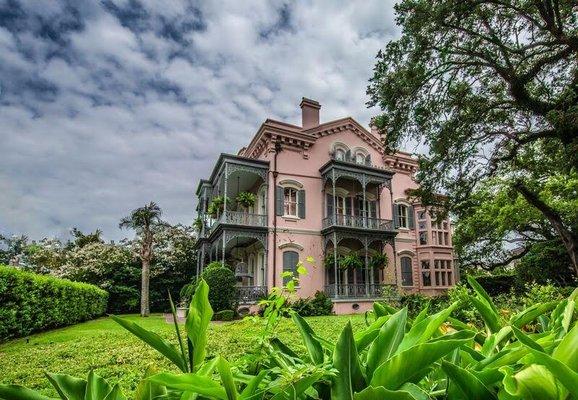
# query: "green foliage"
(224, 315)
(378, 261)
(545, 263)
(395, 356)
(198, 224)
(223, 293)
(246, 199)
(31, 302)
(497, 284)
(217, 205)
(320, 304)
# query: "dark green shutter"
(395, 214)
(280, 199)
(301, 203)
(410, 218)
(329, 199)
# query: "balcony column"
(364, 184)
(334, 198)
(365, 245)
(335, 259)
(225, 181)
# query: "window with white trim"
(290, 201)
(340, 154)
(402, 216)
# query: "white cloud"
(117, 106)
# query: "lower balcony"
(358, 291)
(240, 218)
(251, 294)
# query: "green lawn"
(115, 354)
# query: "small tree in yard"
(144, 220)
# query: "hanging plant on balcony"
(217, 206)
(351, 261)
(328, 262)
(246, 199)
(379, 261)
(198, 224)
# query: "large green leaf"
(147, 389)
(562, 372)
(526, 340)
(253, 385)
(567, 349)
(17, 392)
(155, 341)
(379, 392)
(365, 337)
(425, 329)
(68, 387)
(490, 317)
(386, 343)
(295, 388)
(115, 394)
(531, 313)
(412, 364)
(197, 323)
(96, 387)
(191, 382)
(227, 378)
(482, 294)
(311, 344)
(467, 382)
(349, 377)
(534, 382)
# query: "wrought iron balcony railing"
(240, 218)
(355, 221)
(359, 291)
(251, 294)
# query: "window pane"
(423, 238)
(406, 272)
(290, 259)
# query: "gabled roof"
(295, 136)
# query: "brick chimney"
(309, 113)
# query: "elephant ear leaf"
(385, 345)
(153, 340)
(147, 389)
(532, 382)
(349, 377)
(567, 349)
(311, 343)
(198, 319)
(468, 383)
(227, 378)
(17, 392)
(96, 387)
(115, 394)
(379, 392)
(68, 387)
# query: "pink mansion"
(326, 191)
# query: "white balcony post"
(364, 205)
(334, 199)
(335, 263)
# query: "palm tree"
(143, 220)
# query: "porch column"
(225, 192)
(223, 255)
(335, 260)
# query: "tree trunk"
(569, 238)
(144, 298)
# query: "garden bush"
(497, 284)
(223, 294)
(319, 304)
(224, 315)
(30, 302)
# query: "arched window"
(360, 158)
(290, 260)
(340, 154)
(290, 202)
(406, 271)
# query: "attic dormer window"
(360, 158)
(340, 154)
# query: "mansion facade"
(326, 191)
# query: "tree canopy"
(491, 88)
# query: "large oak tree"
(491, 87)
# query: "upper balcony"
(235, 194)
(358, 222)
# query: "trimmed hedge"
(31, 303)
(224, 315)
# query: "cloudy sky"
(106, 105)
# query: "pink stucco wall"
(300, 163)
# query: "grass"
(115, 354)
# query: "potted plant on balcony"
(217, 206)
(351, 261)
(198, 224)
(246, 199)
(379, 261)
